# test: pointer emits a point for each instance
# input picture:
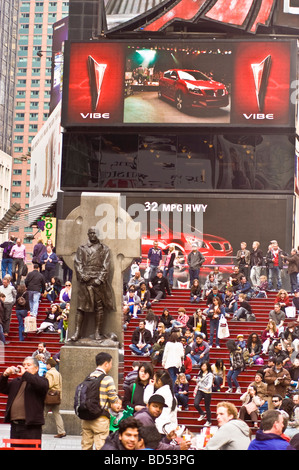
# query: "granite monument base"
(76, 362)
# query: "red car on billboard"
(192, 89)
(216, 250)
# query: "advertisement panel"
(182, 83)
(45, 164)
(216, 224)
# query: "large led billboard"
(181, 83)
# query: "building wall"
(8, 41)
(5, 187)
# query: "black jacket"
(35, 281)
(160, 284)
(146, 336)
(35, 393)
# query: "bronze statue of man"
(95, 295)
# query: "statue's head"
(92, 235)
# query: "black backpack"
(86, 402)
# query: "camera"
(17, 370)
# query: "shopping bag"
(223, 330)
(29, 324)
(290, 312)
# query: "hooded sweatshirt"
(268, 441)
(233, 435)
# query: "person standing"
(169, 264)
(10, 299)
(274, 262)
(35, 283)
(38, 251)
(154, 260)
(256, 264)
(18, 254)
(293, 269)
(95, 432)
(195, 260)
(26, 395)
(243, 259)
(6, 263)
(173, 356)
(203, 390)
(50, 260)
(55, 385)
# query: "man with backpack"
(92, 400)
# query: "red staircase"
(16, 351)
(180, 298)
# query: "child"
(241, 341)
(181, 391)
(63, 322)
(260, 290)
(117, 414)
(42, 367)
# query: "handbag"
(53, 397)
(21, 301)
(25, 270)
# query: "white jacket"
(167, 416)
(173, 355)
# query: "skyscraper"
(8, 48)
(32, 93)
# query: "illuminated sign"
(181, 83)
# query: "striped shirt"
(107, 391)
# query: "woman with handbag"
(214, 313)
(53, 397)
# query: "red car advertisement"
(182, 83)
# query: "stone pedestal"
(75, 364)
(121, 234)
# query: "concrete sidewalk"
(48, 440)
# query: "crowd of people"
(23, 289)
(178, 350)
(180, 345)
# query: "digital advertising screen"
(215, 224)
(181, 83)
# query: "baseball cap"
(157, 399)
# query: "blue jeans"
(2, 337)
(169, 273)
(34, 297)
(214, 323)
(173, 371)
(232, 376)
(274, 272)
(6, 266)
(193, 274)
(195, 298)
(139, 352)
(198, 360)
(21, 314)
